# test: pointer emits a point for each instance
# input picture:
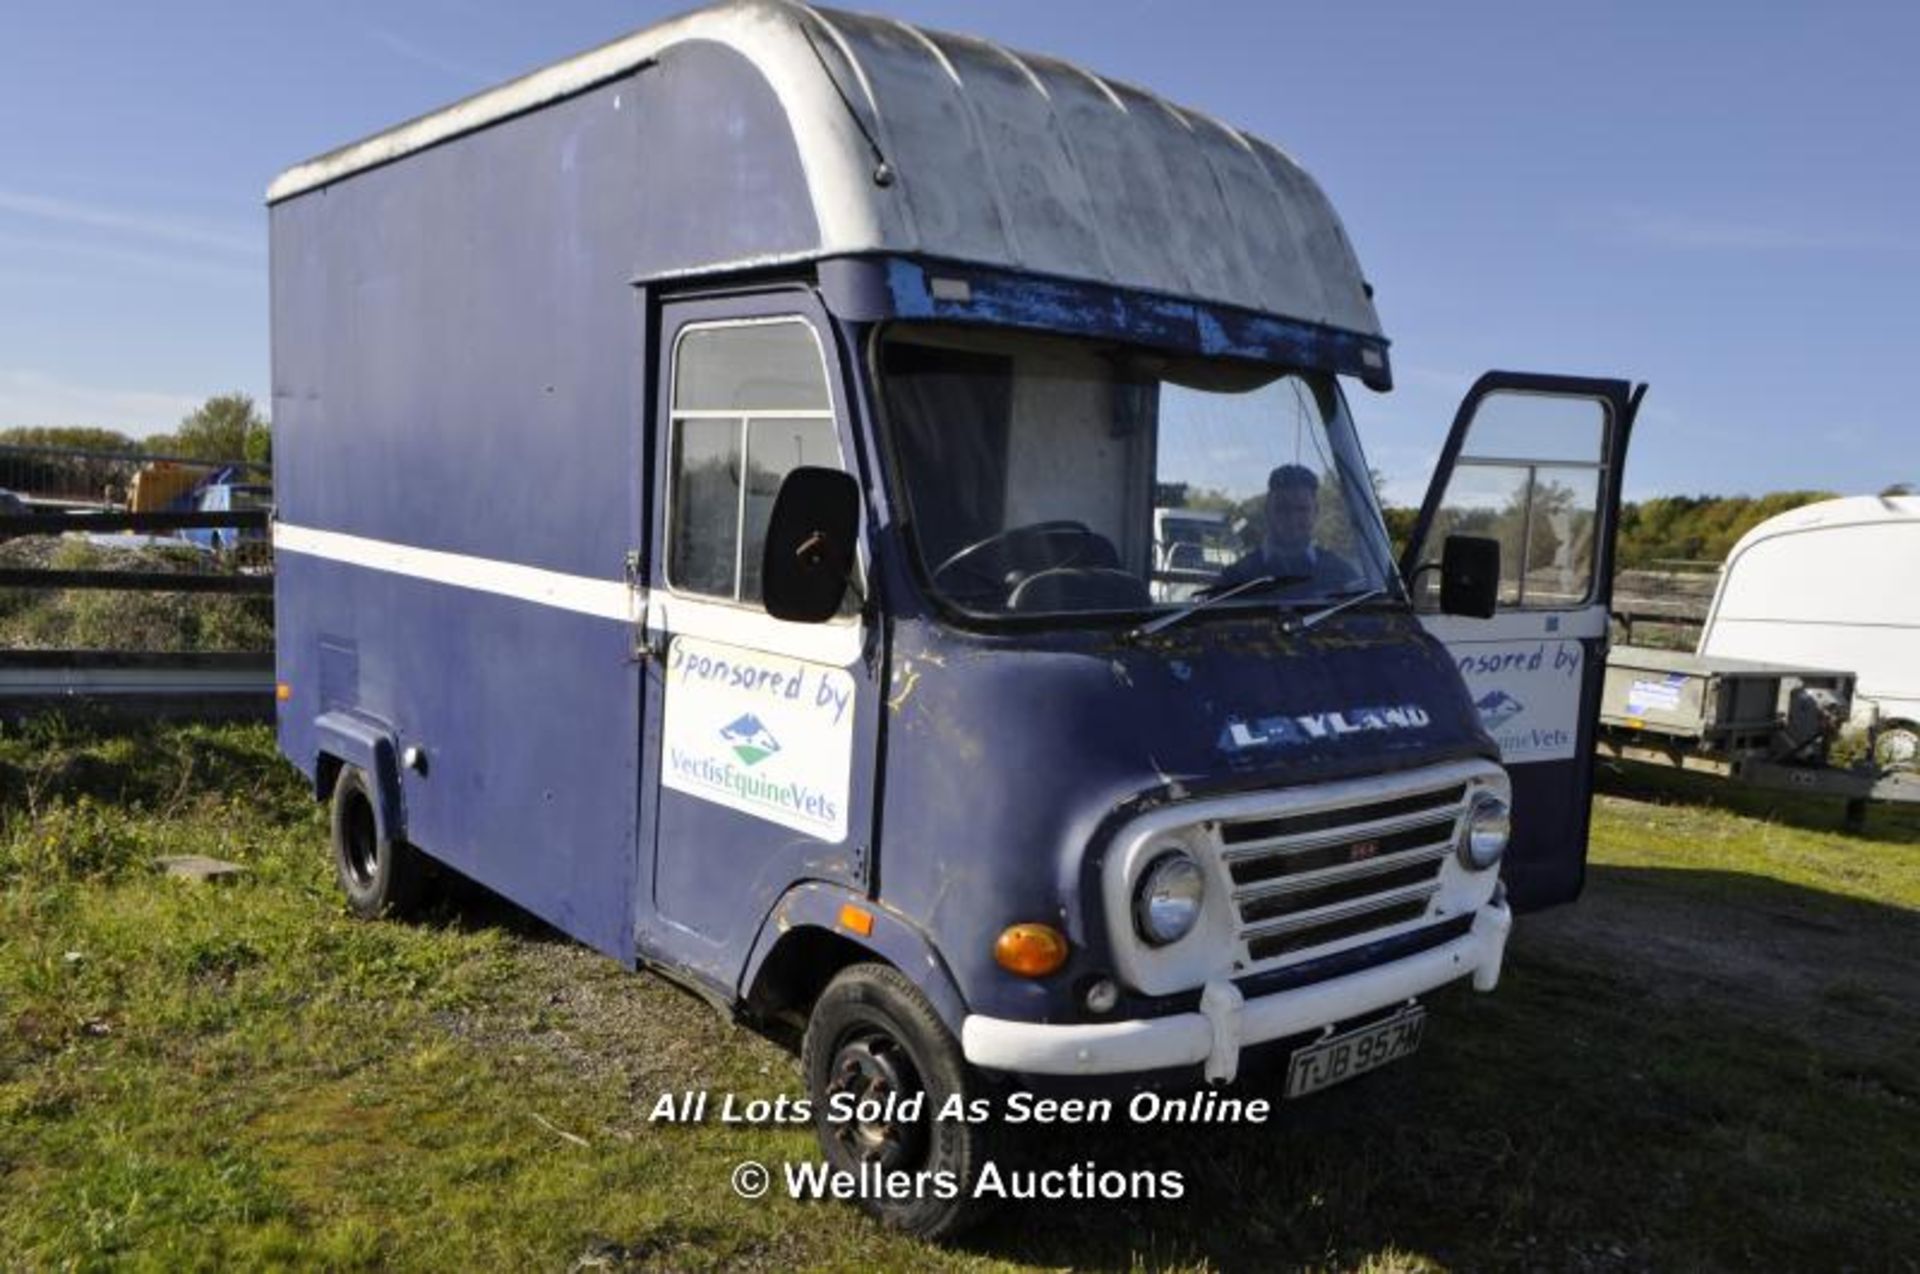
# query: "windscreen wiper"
(1258, 583)
(1354, 598)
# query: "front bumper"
(1228, 1022)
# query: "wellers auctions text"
(1206, 1106)
(1081, 1181)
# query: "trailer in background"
(1764, 725)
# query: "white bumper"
(1228, 1022)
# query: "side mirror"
(1470, 576)
(810, 543)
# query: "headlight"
(1166, 902)
(1483, 839)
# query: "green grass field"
(1713, 1061)
(96, 619)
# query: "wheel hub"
(875, 1071)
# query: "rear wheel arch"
(353, 738)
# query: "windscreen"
(1048, 475)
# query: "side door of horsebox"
(1534, 462)
(760, 733)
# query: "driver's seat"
(1080, 588)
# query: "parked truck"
(716, 509)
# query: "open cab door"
(1534, 462)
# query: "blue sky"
(1721, 199)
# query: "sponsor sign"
(1528, 695)
(768, 736)
(1662, 695)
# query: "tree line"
(226, 427)
(1673, 529)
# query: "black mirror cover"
(1470, 576)
(810, 545)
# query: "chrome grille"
(1307, 879)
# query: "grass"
(97, 619)
(1711, 1062)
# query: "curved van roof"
(946, 146)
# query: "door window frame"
(746, 416)
(1617, 419)
(1532, 467)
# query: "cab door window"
(750, 404)
(1528, 475)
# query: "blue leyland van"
(718, 480)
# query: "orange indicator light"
(1031, 950)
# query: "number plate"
(1341, 1057)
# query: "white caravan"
(1836, 585)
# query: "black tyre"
(380, 876)
(872, 1033)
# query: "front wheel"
(881, 1068)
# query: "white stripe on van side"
(602, 598)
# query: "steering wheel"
(1037, 552)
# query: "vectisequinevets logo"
(1497, 707)
(751, 741)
